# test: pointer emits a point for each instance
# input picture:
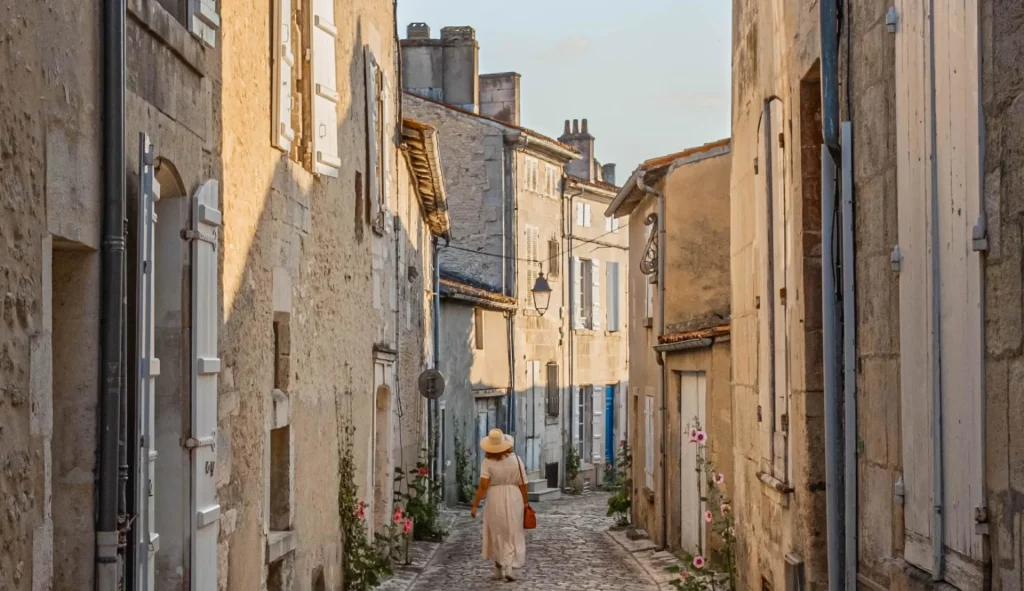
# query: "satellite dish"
(431, 384)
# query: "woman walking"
(503, 482)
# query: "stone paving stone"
(570, 550)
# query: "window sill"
(155, 19)
(280, 544)
(778, 490)
(551, 421)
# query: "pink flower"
(693, 435)
(708, 517)
(701, 437)
(698, 562)
(424, 471)
(720, 478)
(398, 516)
(407, 527)
(726, 507)
(684, 575)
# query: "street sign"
(431, 384)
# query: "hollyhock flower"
(708, 517)
(424, 471)
(726, 507)
(720, 478)
(699, 562)
(701, 437)
(684, 575)
(398, 516)
(407, 527)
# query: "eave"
(423, 156)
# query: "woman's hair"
(498, 456)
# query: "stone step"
(547, 494)
(538, 484)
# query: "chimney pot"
(584, 130)
(418, 31)
(575, 126)
(566, 132)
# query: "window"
(554, 262)
(551, 180)
(551, 396)
(534, 266)
(649, 442)
(202, 19)
(587, 295)
(377, 102)
(530, 180)
(613, 296)
(611, 225)
(583, 215)
(478, 328)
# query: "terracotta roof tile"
(704, 333)
(670, 158)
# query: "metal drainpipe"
(433, 415)
(938, 492)
(112, 360)
(663, 385)
(567, 230)
(849, 362)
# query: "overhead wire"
(545, 260)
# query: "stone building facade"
(280, 216)
(690, 386)
(927, 161)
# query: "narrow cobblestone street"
(570, 549)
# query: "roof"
(692, 335)
(556, 147)
(655, 169)
(599, 185)
(458, 288)
(423, 155)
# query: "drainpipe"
(849, 362)
(567, 233)
(829, 26)
(510, 284)
(938, 492)
(111, 345)
(433, 416)
(663, 385)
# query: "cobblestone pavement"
(569, 550)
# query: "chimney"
(608, 172)
(418, 31)
(461, 68)
(499, 97)
(584, 167)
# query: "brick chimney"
(445, 69)
(499, 96)
(579, 137)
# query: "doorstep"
(646, 554)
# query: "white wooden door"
(534, 417)
(148, 368)
(692, 405)
(206, 221)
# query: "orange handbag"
(529, 515)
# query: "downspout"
(938, 543)
(663, 382)
(834, 487)
(111, 351)
(568, 232)
(433, 416)
(508, 179)
(849, 362)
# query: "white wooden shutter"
(579, 215)
(597, 394)
(324, 67)
(576, 435)
(282, 135)
(206, 219)
(595, 290)
(372, 123)
(387, 141)
(780, 227)
(203, 20)
(613, 296)
(577, 293)
(586, 215)
(649, 441)
(148, 368)
(615, 225)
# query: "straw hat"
(496, 442)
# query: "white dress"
(503, 541)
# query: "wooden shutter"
(577, 293)
(282, 135)
(764, 279)
(206, 220)
(597, 406)
(595, 291)
(579, 215)
(552, 390)
(649, 441)
(386, 142)
(780, 270)
(576, 435)
(586, 215)
(323, 51)
(373, 133)
(203, 20)
(148, 368)
(612, 303)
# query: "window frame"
(587, 293)
(478, 329)
(552, 400)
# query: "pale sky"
(652, 76)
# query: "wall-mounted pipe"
(568, 234)
(663, 382)
(830, 359)
(829, 27)
(849, 363)
(111, 346)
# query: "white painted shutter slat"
(595, 302)
(205, 524)
(386, 143)
(577, 293)
(586, 215)
(284, 62)
(326, 160)
(598, 429)
(149, 366)
(371, 130)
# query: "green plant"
(364, 564)
(572, 469)
(422, 499)
(700, 573)
(621, 501)
(464, 470)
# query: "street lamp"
(541, 294)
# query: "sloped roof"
(423, 155)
